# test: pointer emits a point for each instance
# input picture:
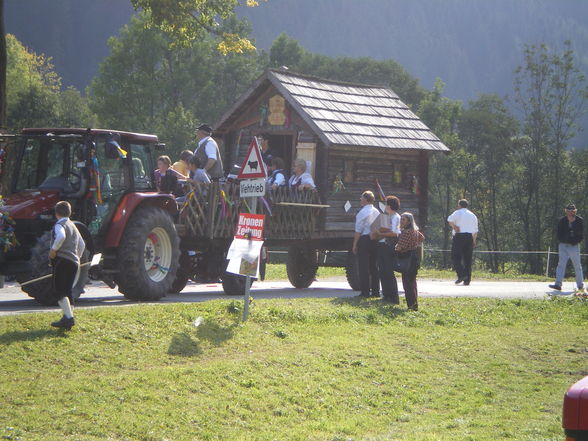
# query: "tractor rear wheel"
(148, 255)
(301, 266)
(41, 290)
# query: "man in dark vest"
(66, 249)
(208, 153)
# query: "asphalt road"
(14, 301)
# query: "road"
(14, 301)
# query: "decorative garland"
(7, 224)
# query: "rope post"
(547, 265)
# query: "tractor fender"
(87, 236)
(127, 207)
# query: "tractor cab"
(90, 169)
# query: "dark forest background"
(472, 45)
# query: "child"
(197, 173)
(166, 178)
(181, 166)
(66, 250)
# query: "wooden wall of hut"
(399, 172)
(256, 120)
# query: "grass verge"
(305, 369)
(278, 272)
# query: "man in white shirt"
(364, 248)
(465, 231)
(208, 153)
(387, 233)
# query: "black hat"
(570, 207)
(205, 128)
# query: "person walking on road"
(365, 248)
(465, 231)
(66, 249)
(570, 233)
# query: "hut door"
(281, 146)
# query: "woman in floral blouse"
(408, 241)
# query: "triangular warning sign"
(253, 166)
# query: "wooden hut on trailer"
(352, 136)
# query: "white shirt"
(364, 219)
(279, 179)
(210, 147)
(465, 220)
(304, 179)
(391, 221)
(200, 175)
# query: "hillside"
(472, 45)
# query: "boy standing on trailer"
(66, 249)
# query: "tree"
(551, 93)
(286, 51)
(145, 83)
(486, 129)
(3, 63)
(73, 109)
(448, 173)
(188, 20)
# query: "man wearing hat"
(570, 233)
(208, 153)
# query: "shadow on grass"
(383, 308)
(31, 335)
(184, 345)
(215, 333)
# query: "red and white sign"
(250, 226)
(253, 166)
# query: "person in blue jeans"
(570, 233)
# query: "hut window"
(349, 171)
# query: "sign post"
(253, 175)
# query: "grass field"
(278, 272)
(304, 369)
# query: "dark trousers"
(64, 274)
(386, 256)
(409, 283)
(367, 265)
(462, 249)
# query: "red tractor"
(106, 175)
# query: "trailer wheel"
(41, 290)
(148, 255)
(183, 274)
(234, 284)
(352, 271)
(301, 266)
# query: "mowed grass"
(304, 369)
(278, 272)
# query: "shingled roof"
(347, 114)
